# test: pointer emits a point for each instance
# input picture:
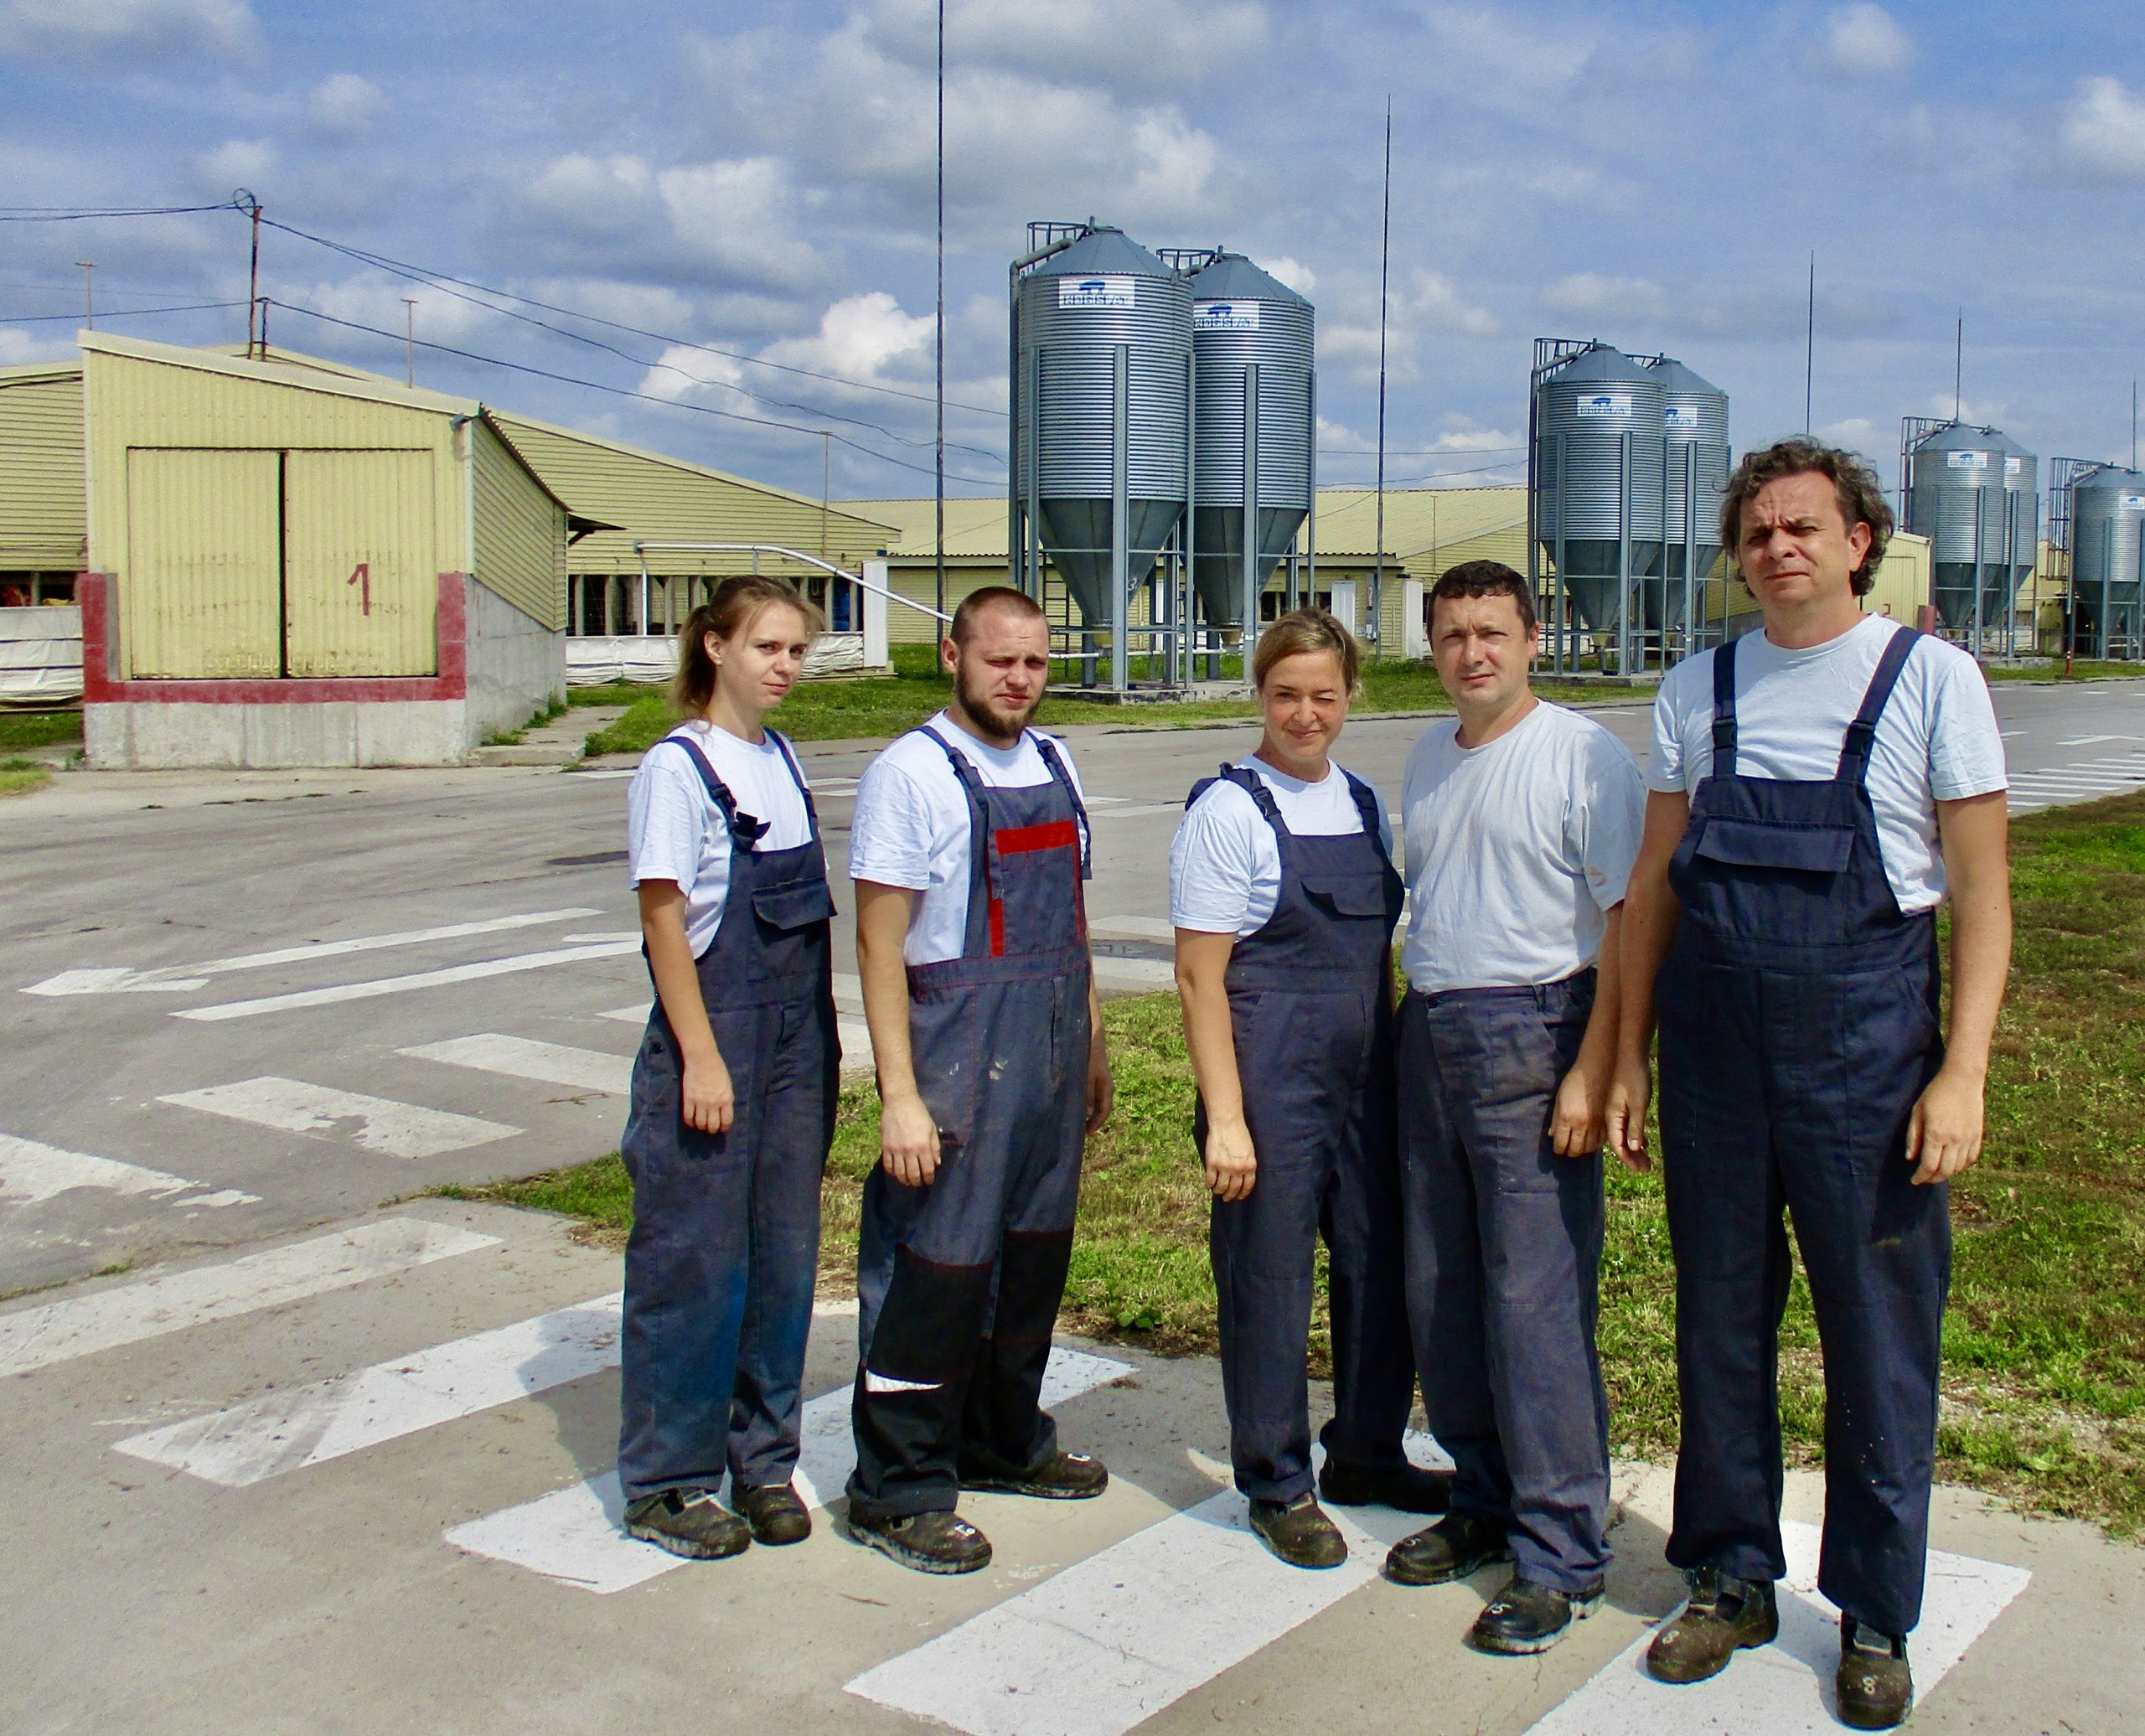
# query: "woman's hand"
(1231, 1164)
(711, 1101)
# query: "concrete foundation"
(516, 668)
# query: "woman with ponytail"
(733, 1091)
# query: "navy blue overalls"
(958, 1281)
(1798, 1016)
(1310, 1005)
(724, 1254)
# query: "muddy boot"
(1067, 1476)
(1297, 1532)
(775, 1514)
(1724, 1616)
(1876, 1688)
(939, 1543)
(689, 1522)
(1526, 1618)
(1457, 1544)
(1406, 1488)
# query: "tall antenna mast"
(1809, 344)
(2133, 424)
(1384, 264)
(939, 346)
(1959, 367)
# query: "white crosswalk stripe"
(2054, 786)
(32, 1173)
(377, 986)
(380, 1124)
(281, 1431)
(37, 1337)
(521, 1057)
(576, 1535)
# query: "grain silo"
(2107, 561)
(1964, 493)
(1694, 426)
(1598, 455)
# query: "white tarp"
(41, 655)
(630, 657)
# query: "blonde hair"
(737, 604)
(1302, 630)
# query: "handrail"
(641, 548)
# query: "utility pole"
(409, 340)
(938, 344)
(88, 292)
(247, 203)
(1384, 264)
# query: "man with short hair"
(1818, 790)
(969, 846)
(1521, 821)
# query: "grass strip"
(40, 729)
(19, 777)
(2044, 1342)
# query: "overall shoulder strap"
(1253, 785)
(1723, 710)
(745, 829)
(1056, 764)
(797, 772)
(1862, 733)
(1367, 806)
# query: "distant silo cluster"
(1975, 493)
(1145, 384)
(2096, 529)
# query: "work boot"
(689, 1522)
(1298, 1532)
(775, 1513)
(1526, 1618)
(1457, 1544)
(1063, 1476)
(1724, 1616)
(1407, 1488)
(1876, 1688)
(939, 1543)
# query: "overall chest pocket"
(1809, 848)
(796, 906)
(1347, 894)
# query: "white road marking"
(604, 772)
(577, 1535)
(1134, 973)
(281, 1431)
(113, 980)
(636, 1013)
(607, 934)
(56, 1331)
(1137, 810)
(293, 1106)
(31, 1173)
(1785, 1689)
(521, 1057)
(403, 985)
(1113, 1640)
(2091, 740)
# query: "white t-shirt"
(911, 825)
(1515, 851)
(674, 831)
(1225, 863)
(1936, 741)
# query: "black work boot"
(1526, 1618)
(1298, 1532)
(1876, 1688)
(689, 1522)
(1457, 1544)
(940, 1542)
(1063, 1476)
(1724, 1616)
(1407, 1488)
(774, 1512)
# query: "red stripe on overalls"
(1019, 840)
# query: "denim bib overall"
(958, 1281)
(1310, 1002)
(1798, 1018)
(724, 1253)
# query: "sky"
(750, 188)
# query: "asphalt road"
(270, 947)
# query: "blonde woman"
(1282, 892)
(733, 1091)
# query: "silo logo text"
(1682, 416)
(1094, 291)
(1225, 316)
(1604, 404)
(1966, 461)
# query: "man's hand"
(710, 1100)
(1102, 1087)
(1579, 1124)
(1944, 1133)
(908, 1141)
(1232, 1164)
(1624, 1119)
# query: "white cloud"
(1864, 40)
(345, 103)
(2104, 128)
(1860, 434)
(858, 336)
(682, 372)
(1294, 273)
(237, 162)
(1176, 161)
(1150, 43)
(742, 217)
(596, 197)
(1432, 303)
(1590, 295)
(19, 347)
(102, 30)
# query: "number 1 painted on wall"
(361, 577)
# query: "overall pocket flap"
(797, 905)
(1350, 895)
(1752, 843)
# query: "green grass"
(879, 707)
(40, 729)
(2050, 669)
(2045, 1342)
(19, 777)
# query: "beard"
(995, 721)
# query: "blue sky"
(757, 180)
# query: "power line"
(67, 213)
(115, 312)
(619, 391)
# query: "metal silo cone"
(1600, 427)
